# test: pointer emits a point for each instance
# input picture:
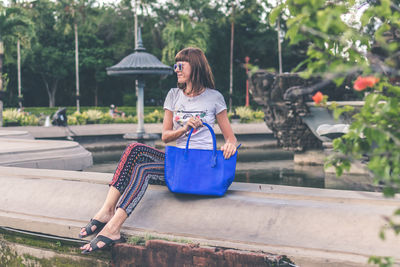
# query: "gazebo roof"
(139, 63)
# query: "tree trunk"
(231, 59)
(52, 98)
(51, 91)
(19, 73)
(96, 95)
(77, 67)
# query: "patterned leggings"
(138, 166)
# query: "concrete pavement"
(313, 227)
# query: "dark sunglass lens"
(179, 66)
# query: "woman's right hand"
(193, 122)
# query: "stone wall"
(162, 253)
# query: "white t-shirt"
(206, 105)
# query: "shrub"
(28, 120)
(154, 117)
(72, 120)
(128, 119)
(258, 115)
(93, 116)
(101, 115)
(106, 118)
(80, 118)
(244, 113)
(12, 117)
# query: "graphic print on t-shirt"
(181, 116)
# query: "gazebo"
(138, 65)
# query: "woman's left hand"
(229, 150)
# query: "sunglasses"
(178, 67)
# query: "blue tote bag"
(198, 171)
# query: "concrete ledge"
(308, 225)
(95, 136)
(64, 155)
(123, 128)
(16, 135)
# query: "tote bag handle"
(214, 154)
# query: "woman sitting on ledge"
(186, 107)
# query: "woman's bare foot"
(111, 230)
(108, 231)
(102, 216)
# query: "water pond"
(264, 166)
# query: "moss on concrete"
(141, 240)
(68, 253)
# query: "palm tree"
(11, 22)
(75, 11)
(23, 36)
(182, 34)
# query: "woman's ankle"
(104, 215)
(115, 223)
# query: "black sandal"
(88, 228)
(108, 242)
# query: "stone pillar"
(140, 105)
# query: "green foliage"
(94, 116)
(106, 36)
(381, 261)
(89, 115)
(129, 110)
(155, 117)
(100, 115)
(183, 33)
(77, 118)
(12, 117)
(246, 115)
(141, 240)
(375, 135)
(341, 46)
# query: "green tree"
(106, 36)
(24, 34)
(11, 20)
(49, 61)
(74, 12)
(183, 33)
(340, 45)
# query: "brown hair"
(201, 76)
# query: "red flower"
(363, 82)
(318, 97)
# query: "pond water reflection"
(264, 166)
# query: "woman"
(185, 107)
